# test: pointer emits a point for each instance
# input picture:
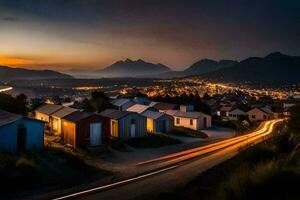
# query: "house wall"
(55, 125)
(259, 115)
(42, 117)
(185, 122)
(166, 121)
(235, 114)
(68, 132)
(125, 126)
(150, 125)
(34, 135)
(83, 130)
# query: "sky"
(92, 34)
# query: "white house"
(259, 114)
(191, 120)
(236, 113)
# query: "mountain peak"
(128, 60)
(276, 55)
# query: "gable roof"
(165, 106)
(260, 109)
(178, 113)
(114, 114)
(64, 112)
(7, 117)
(152, 114)
(120, 102)
(49, 109)
(138, 108)
(77, 116)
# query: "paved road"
(174, 170)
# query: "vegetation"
(98, 102)
(242, 125)
(185, 132)
(153, 140)
(42, 168)
(269, 170)
(16, 104)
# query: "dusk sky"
(64, 34)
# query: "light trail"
(225, 146)
(210, 147)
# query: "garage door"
(95, 134)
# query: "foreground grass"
(153, 140)
(269, 170)
(49, 167)
(185, 132)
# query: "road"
(174, 170)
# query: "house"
(191, 120)
(141, 100)
(55, 119)
(158, 122)
(122, 104)
(259, 114)
(82, 129)
(163, 107)
(44, 112)
(224, 110)
(186, 108)
(139, 108)
(18, 133)
(236, 113)
(123, 124)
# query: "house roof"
(165, 106)
(138, 108)
(120, 102)
(226, 108)
(64, 112)
(77, 116)
(178, 113)
(7, 118)
(265, 110)
(49, 109)
(114, 114)
(152, 114)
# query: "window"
(265, 117)
(253, 116)
(191, 122)
(177, 120)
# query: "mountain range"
(130, 68)
(275, 67)
(9, 73)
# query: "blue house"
(19, 133)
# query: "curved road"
(175, 170)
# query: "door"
(132, 128)
(95, 134)
(21, 138)
(114, 129)
(205, 121)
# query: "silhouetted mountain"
(275, 67)
(130, 68)
(207, 65)
(8, 74)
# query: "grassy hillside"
(49, 167)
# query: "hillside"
(275, 67)
(130, 68)
(8, 74)
(207, 65)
